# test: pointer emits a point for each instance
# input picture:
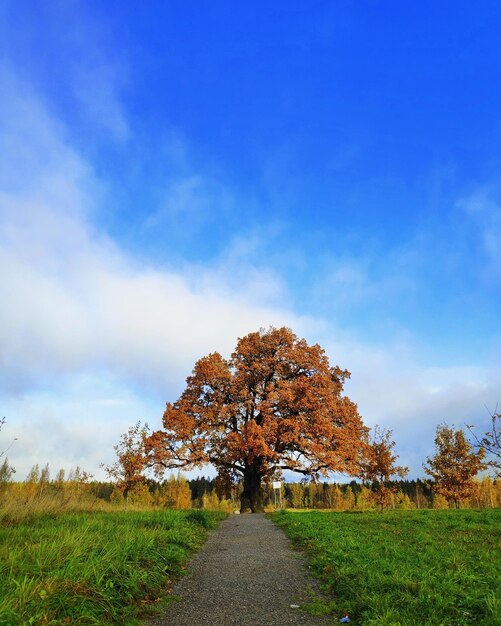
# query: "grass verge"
(94, 568)
(405, 568)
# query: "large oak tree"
(275, 405)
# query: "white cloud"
(393, 390)
(77, 423)
(90, 304)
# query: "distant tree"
(491, 443)
(32, 481)
(420, 493)
(139, 495)
(60, 477)
(337, 503)
(484, 494)
(401, 501)
(454, 465)
(77, 484)
(295, 495)
(101, 490)
(2, 422)
(379, 465)
(439, 501)
(44, 479)
(364, 500)
(348, 498)
(198, 487)
(331, 496)
(176, 492)
(127, 471)
(6, 470)
(210, 501)
(117, 497)
(275, 405)
(6, 473)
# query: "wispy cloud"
(190, 202)
(72, 50)
(484, 212)
(97, 75)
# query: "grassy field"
(94, 568)
(405, 567)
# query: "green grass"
(405, 567)
(94, 568)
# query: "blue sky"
(173, 176)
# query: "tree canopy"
(127, 470)
(275, 405)
(454, 464)
(379, 465)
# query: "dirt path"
(246, 575)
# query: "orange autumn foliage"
(454, 465)
(127, 471)
(379, 465)
(275, 405)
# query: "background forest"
(78, 491)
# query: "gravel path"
(246, 575)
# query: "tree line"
(76, 488)
(277, 404)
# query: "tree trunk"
(252, 498)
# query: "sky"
(174, 175)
